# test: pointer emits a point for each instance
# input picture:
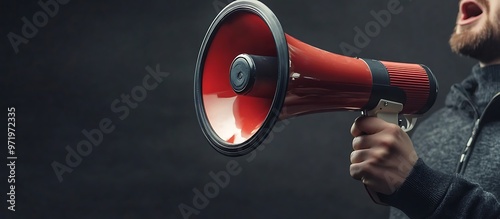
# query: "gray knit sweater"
(434, 189)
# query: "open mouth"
(471, 11)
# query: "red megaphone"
(249, 74)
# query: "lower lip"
(469, 20)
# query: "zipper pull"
(465, 153)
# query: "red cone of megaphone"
(250, 74)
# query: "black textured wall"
(67, 78)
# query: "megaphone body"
(250, 74)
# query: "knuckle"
(370, 163)
(356, 143)
(382, 155)
(393, 126)
(388, 141)
(355, 128)
(393, 129)
(365, 168)
(357, 157)
(354, 157)
(354, 171)
(358, 170)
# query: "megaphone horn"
(250, 74)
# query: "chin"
(481, 42)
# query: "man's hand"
(383, 154)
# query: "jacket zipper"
(464, 158)
(466, 153)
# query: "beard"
(483, 45)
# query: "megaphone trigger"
(389, 111)
(410, 121)
(386, 110)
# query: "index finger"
(367, 125)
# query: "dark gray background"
(66, 77)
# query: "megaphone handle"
(374, 196)
(389, 112)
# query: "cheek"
(494, 18)
(494, 11)
(459, 15)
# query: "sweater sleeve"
(428, 193)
